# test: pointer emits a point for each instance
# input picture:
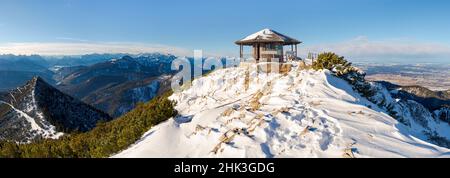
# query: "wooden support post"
(296, 51)
(241, 55)
(255, 51)
(258, 51)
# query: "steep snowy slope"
(239, 112)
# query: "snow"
(49, 131)
(145, 93)
(418, 119)
(34, 125)
(44, 129)
(263, 34)
(304, 113)
(113, 61)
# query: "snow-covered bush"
(344, 69)
(330, 61)
(357, 78)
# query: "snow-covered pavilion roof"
(268, 36)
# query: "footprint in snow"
(325, 141)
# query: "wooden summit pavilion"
(268, 44)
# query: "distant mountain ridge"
(432, 100)
(117, 85)
(121, 98)
(17, 69)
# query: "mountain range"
(117, 85)
(114, 83)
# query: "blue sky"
(397, 29)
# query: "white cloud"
(361, 48)
(78, 48)
(70, 39)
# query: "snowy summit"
(240, 112)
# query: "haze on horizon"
(363, 30)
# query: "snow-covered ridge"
(47, 132)
(38, 110)
(27, 109)
(240, 112)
